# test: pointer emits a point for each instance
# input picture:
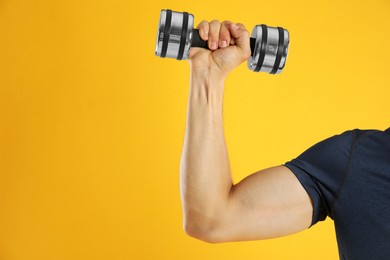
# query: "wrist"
(206, 89)
(206, 77)
(206, 66)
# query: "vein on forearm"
(205, 170)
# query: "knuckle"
(226, 23)
(213, 35)
(224, 32)
(247, 53)
(203, 24)
(215, 22)
(203, 28)
(214, 30)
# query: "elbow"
(201, 233)
(206, 231)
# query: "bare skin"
(266, 204)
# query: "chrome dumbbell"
(176, 35)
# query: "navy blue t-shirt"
(347, 177)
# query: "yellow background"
(92, 123)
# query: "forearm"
(205, 170)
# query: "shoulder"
(331, 150)
(321, 169)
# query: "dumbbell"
(176, 35)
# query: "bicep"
(269, 203)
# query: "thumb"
(241, 39)
(194, 52)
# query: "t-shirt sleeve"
(321, 170)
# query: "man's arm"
(268, 203)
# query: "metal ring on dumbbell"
(175, 37)
(270, 50)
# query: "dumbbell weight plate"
(174, 35)
(270, 49)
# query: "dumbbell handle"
(198, 42)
